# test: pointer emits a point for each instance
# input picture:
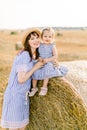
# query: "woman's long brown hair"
(27, 46)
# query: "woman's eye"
(32, 38)
(37, 37)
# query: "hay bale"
(61, 109)
(18, 46)
(78, 76)
(59, 34)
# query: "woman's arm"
(24, 76)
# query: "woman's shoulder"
(23, 55)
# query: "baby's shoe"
(43, 91)
(33, 91)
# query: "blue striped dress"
(49, 70)
(15, 112)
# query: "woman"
(15, 112)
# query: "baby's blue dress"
(48, 70)
(15, 112)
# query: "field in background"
(71, 45)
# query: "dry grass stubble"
(61, 109)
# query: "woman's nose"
(37, 39)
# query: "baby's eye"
(49, 36)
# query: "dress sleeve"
(23, 61)
(52, 45)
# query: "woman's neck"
(33, 50)
(33, 53)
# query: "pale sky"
(22, 14)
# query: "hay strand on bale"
(61, 109)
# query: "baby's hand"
(55, 63)
(45, 60)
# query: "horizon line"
(59, 27)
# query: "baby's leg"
(44, 88)
(34, 89)
(22, 128)
(34, 83)
(45, 82)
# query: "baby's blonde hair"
(48, 29)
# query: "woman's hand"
(24, 76)
(40, 59)
(45, 60)
(38, 65)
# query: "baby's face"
(47, 37)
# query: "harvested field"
(62, 108)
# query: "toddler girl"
(48, 54)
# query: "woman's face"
(34, 41)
